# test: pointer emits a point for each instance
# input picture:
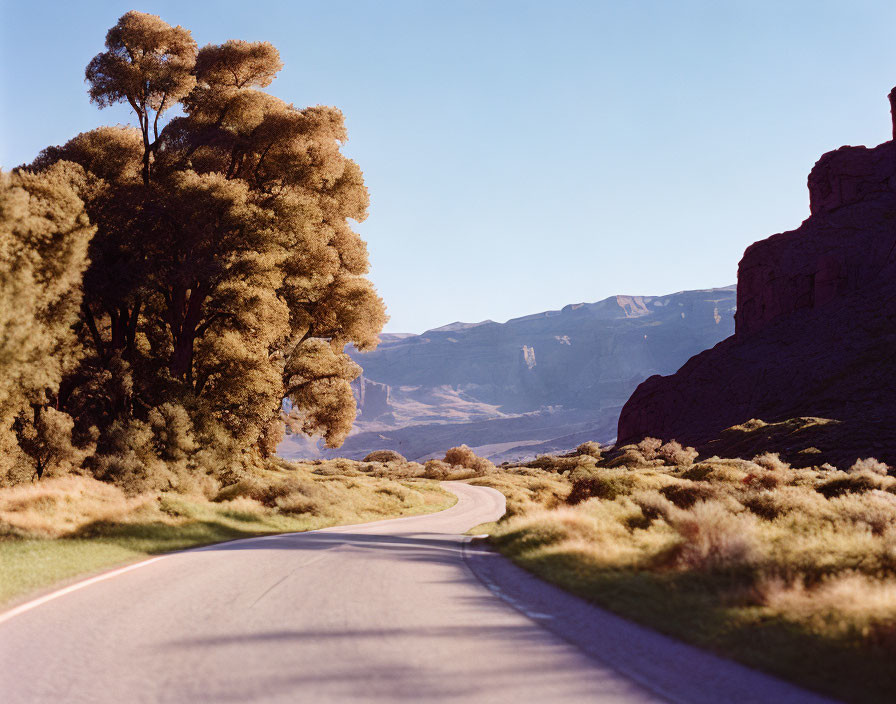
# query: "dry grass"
(53, 530)
(726, 553)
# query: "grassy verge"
(57, 530)
(792, 571)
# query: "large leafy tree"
(44, 234)
(225, 273)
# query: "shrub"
(590, 448)
(550, 463)
(766, 480)
(648, 447)
(853, 483)
(384, 456)
(677, 455)
(713, 537)
(463, 456)
(633, 456)
(687, 493)
(875, 509)
(869, 465)
(654, 505)
(588, 484)
(771, 461)
(436, 469)
(173, 431)
(652, 452)
(63, 505)
(699, 472)
(764, 504)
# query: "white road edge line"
(28, 605)
(34, 603)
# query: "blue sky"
(526, 155)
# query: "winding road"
(399, 610)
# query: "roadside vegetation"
(790, 570)
(60, 528)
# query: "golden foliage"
(224, 273)
(44, 233)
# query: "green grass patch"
(692, 608)
(32, 564)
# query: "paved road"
(384, 612)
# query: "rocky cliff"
(815, 327)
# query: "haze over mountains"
(540, 383)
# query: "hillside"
(539, 383)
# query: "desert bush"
(648, 447)
(765, 480)
(869, 465)
(590, 448)
(875, 509)
(744, 544)
(64, 505)
(699, 472)
(685, 494)
(713, 537)
(600, 484)
(595, 486)
(337, 467)
(394, 470)
(720, 469)
(654, 505)
(463, 456)
(436, 469)
(673, 453)
(771, 461)
(567, 463)
(854, 483)
(527, 489)
(764, 504)
(652, 452)
(545, 462)
(848, 604)
(384, 456)
(631, 456)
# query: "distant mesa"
(815, 327)
(457, 325)
(539, 383)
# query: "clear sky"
(526, 155)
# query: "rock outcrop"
(815, 327)
(372, 398)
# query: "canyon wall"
(815, 327)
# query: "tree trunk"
(184, 325)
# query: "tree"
(224, 259)
(44, 235)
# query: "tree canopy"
(224, 273)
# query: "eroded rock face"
(372, 398)
(815, 327)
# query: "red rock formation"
(815, 327)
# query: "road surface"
(394, 611)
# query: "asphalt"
(393, 611)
